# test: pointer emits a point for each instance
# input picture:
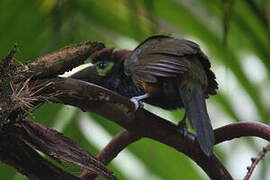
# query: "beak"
(88, 74)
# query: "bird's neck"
(121, 83)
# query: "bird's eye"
(104, 67)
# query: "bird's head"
(108, 61)
(108, 71)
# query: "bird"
(163, 71)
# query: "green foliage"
(41, 26)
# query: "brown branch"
(60, 147)
(116, 145)
(49, 65)
(19, 155)
(18, 94)
(58, 62)
(255, 161)
(242, 129)
(222, 134)
(92, 98)
(113, 148)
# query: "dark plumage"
(175, 73)
(116, 80)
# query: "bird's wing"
(164, 56)
(168, 45)
(160, 65)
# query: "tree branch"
(60, 147)
(115, 146)
(29, 81)
(92, 98)
(58, 62)
(18, 154)
(120, 110)
(14, 77)
(255, 161)
(242, 129)
(18, 94)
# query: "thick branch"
(59, 61)
(222, 134)
(18, 94)
(60, 147)
(119, 109)
(16, 153)
(14, 90)
(93, 98)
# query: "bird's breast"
(164, 94)
(153, 89)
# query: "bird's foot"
(138, 104)
(137, 100)
(182, 127)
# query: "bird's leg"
(183, 124)
(137, 100)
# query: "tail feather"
(194, 102)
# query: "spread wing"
(153, 66)
(164, 56)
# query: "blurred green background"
(234, 33)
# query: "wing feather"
(153, 72)
(162, 66)
(165, 56)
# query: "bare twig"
(255, 161)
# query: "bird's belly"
(165, 102)
(153, 89)
(167, 97)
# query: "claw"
(138, 104)
(137, 100)
(183, 126)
